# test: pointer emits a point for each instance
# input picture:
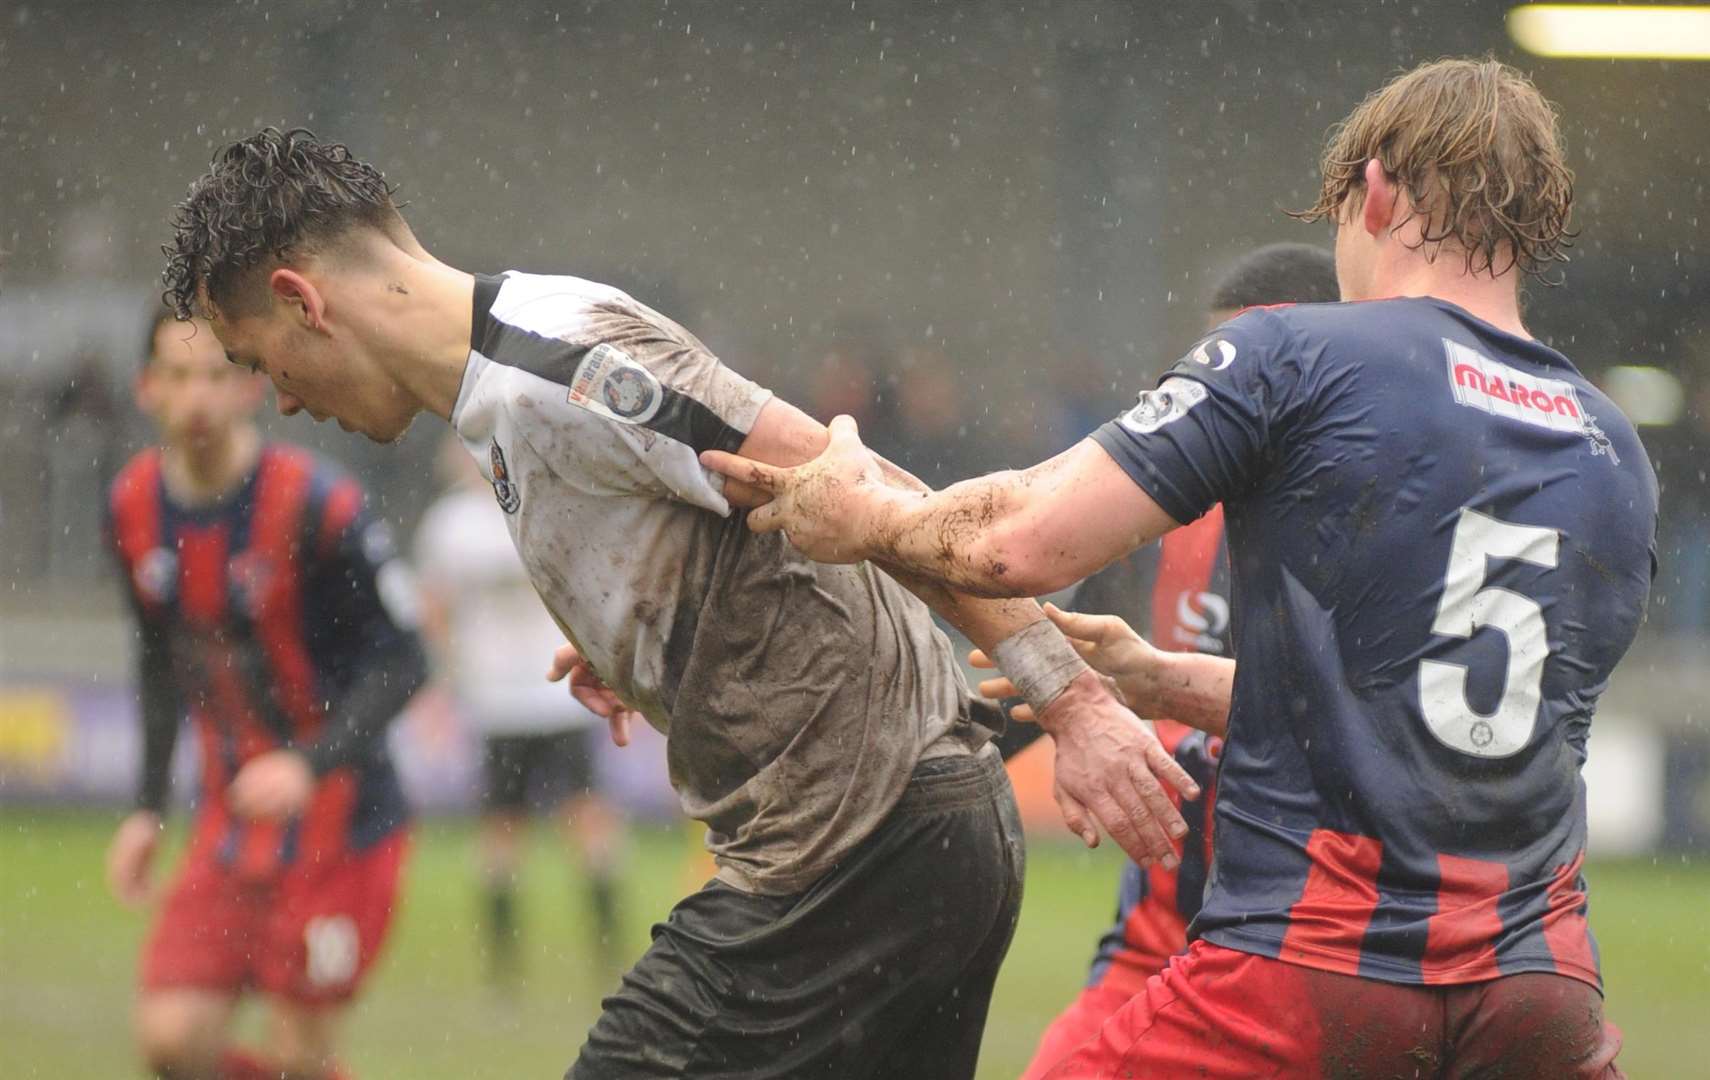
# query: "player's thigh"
(183, 1028)
(203, 932)
(327, 929)
(827, 982)
(1224, 1015)
(1532, 1025)
(1076, 1024)
(303, 1038)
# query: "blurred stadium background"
(979, 227)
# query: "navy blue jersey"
(1442, 538)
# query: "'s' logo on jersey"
(1223, 357)
(1201, 619)
(610, 383)
(505, 491)
(1167, 404)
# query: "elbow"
(1018, 559)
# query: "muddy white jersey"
(797, 697)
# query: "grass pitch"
(68, 956)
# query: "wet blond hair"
(1477, 150)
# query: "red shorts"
(1217, 1013)
(1075, 1025)
(306, 938)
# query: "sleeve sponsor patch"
(609, 382)
(1166, 404)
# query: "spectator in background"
(488, 630)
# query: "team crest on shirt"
(609, 382)
(1167, 404)
(505, 491)
(156, 575)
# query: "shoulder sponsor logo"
(1167, 404)
(510, 498)
(609, 382)
(1491, 386)
(1203, 354)
(1478, 382)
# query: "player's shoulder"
(136, 485)
(554, 305)
(288, 463)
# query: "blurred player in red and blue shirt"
(1441, 540)
(268, 611)
(1179, 589)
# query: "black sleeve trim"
(680, 417)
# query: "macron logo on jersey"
(1491, 386)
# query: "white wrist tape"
(1040, 662)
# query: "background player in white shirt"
(868, 846)
(488, 630)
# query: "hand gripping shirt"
(1441, 540)
(796, 697)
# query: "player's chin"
(386, 431)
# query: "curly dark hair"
(1478, 151)
(264, 198)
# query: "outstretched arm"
(1018, 533)
(1110, 766)
(1193, 688)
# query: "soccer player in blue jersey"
(1442, 540)
(258, 583)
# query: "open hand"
(130, 858)
(594, 695)
(824, 507)
(1111, 768)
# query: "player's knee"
(176, 1045)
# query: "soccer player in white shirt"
(868, 848)
(489, 630)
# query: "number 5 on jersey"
(1468, 605)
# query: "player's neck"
(207, 470)
(1495, 300)
(432, 303)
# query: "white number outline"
(1468, 604)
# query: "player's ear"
(298, 294)
(1377, 212)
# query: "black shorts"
(536, 771)
(883, 968)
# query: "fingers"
(745, 496)
(979, 659)
(768, 518)
(844, 430)
(998, 688)
(619, 724)
(1155, 817)
(1023, 713)
(1095, 628)
(1075, 816)
(1164, 765)
(564, 659)
(756, 474)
